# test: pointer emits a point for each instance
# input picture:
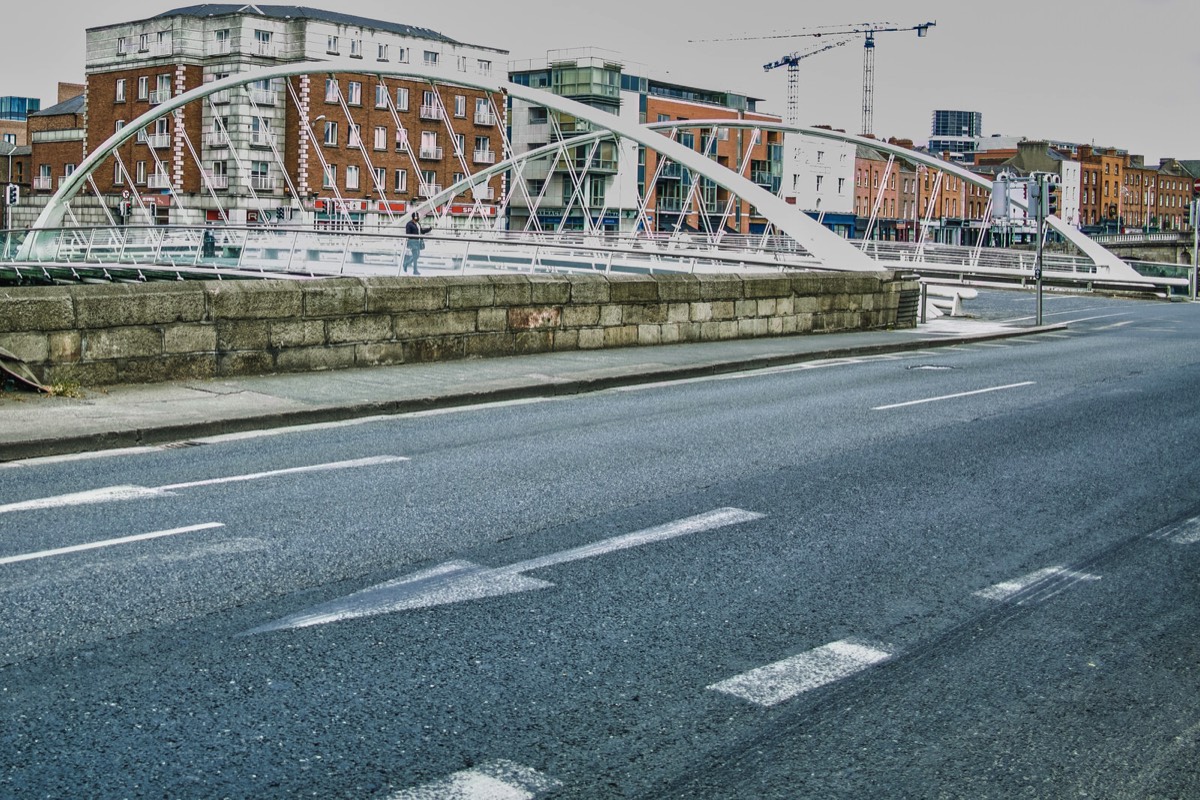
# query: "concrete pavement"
(33, 426)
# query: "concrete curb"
(167, 434)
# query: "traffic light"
(12, 194)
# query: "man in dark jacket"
(414, 232)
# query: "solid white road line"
(775, 683)
(141, 537)
(1006, 589)
(1187, 533)
(954, 396)
(496, 780)
(110, 494)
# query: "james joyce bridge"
(691, 231)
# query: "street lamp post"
(1195, 276)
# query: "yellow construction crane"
(865, 29)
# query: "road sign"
(125, 195)
(459, 581)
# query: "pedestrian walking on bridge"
(416, 243)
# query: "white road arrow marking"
(112, 494)
(460, 581)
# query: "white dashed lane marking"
(496, 780)
(1052, 580)
(783, 680)
(141, 537)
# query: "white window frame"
(402, 98)
(329, 176)
(143, 87)
(332, 45)
(331, 133)
(381, 137)
(352, 177)
(401, 180)
(354, 93)
(120, 91)
(333, 90)
(381, 96)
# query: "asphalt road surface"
(970, 572)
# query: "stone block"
(807, 305)
(190, 339)
(766, 307)
(610, 316)
(621, 336)
(580, 316)
(66, 347)
(743, 309)
(724, 309)
(492, 319)
(122, 343)
(701, 312)
(547, 290)
(679, 312)
(720, 287)
(511, 290)
(785, 306)
(243, 335)
(775, 326)
(534, 342)
(245, 362)
(566, 340)
(470, 292)
(710, 331)
(727, 329)
(315, 359)
(589, 289)
(678, 288)
(378, 354)
(398, 295)
(534, 318)
(98, 373)
(752, 328)
(758, 287)
(32, 348)
(175, 367)
(655, 314)
(490, 345)
(36, 309)
(423, 326)
(128, 305)
(334, 298)
(808, 284)
(256, 300)
(358, 329)
(442, 348)
(296, 333)
(632, 289)
(649, 334)
(591, 338)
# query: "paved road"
(956, 573)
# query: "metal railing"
(485, 118)
(432, 112)
(159, 141)
(431, 153)
(485, 157)
(158, 180)
(159, 96)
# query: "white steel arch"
(828, 248)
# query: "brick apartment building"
(350, 148)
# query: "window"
(144, 88)
(380, 178)
(140, 172)
(460, 143)
(820, 180)
(462, 63)
(221, 41)
(401, 180)
(355, 136)
(841, 185)
(401, 140)
(485, 67)
(262, 39)
(330, 176)
(460, 106)
(351, 177)
(383, 52)
(354, 93)
(381, 96)
(536, 186)
(120, 97)
(722, 134)
(122, 45)
(538, 116)
(260, 132)
(144, 43)
(428, 178)
(331, 45)
(118, 174)
(260, 174)
(356, 48)
(331, 90)
(381, 138)
(401, 99)
(331, 133)
(431, 58)
(820, 156)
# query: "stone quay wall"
(95, 335)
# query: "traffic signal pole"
(1038, 201)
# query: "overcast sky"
(1123, 73)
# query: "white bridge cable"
(732, 197)
(929, 211)
(242, 172)
(693, 188)
(887, 171)
(353, 132)
(132, 184)
(576, 180)
(517, 175)
(267, 131)
(207, 179)
(459, 152)
(100, 198)
(326, 176)
(160, 170)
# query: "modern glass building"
(19, 108)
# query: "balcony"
(432, 112)
(161, 49)
(484, 192)
(216, 139)
(43, 183)
(220, 98)
(265, 49)
(221, 48)
(216, 181)
(262, 97)
(264, 183)
(159, 96)
(485, 156)
(431, 153)
(260, 138)
(429, 190)
(159, 141)
(485, 118)
(158, 180)
(672, 171)
(669, 205)
(596, 165)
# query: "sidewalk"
(33, 426)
